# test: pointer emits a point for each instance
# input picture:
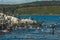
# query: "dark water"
(35, 34)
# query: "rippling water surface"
(35, 34)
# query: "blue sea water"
(35, 34)
(43, 18)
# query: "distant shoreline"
(33, 8)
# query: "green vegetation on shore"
(30, 9)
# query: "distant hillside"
(46, 3)
(33, 8)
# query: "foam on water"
(43, 33)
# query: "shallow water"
(45, 33)
(30, 35)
